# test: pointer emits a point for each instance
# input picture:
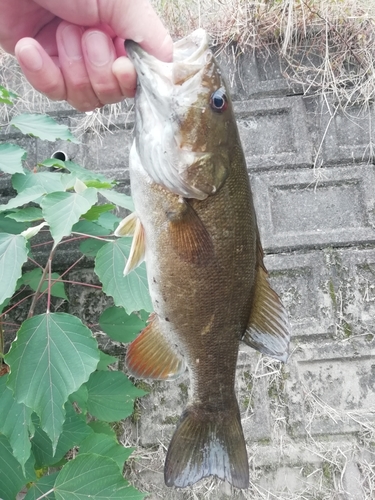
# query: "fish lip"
(190, 50)
(135, 52)
(132, 48)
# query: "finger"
(47, 37)
(126, 76)
(79, 91)
(139, 22)
(100, 54)
(40, 70)
(136, 20)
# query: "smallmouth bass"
(195, 226)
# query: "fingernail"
(71, 39)
(30, 58)
(98, 48)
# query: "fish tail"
(207, 443)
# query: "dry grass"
(327, 46)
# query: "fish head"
(184, 115)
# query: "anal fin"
(150, 355)
(268, 330)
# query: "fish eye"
(219, 101)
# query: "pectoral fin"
(188, 235)
(268, 329)
(137, 250)
(150, 355)
(127, 226)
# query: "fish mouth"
(189, 57)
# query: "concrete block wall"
(309, 425)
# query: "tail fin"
(206, 444)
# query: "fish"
(195, 227)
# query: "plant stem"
(46, 494)
(36, 295)
(80, 284)
(16, 305)
(35, 262)
(1, 341)
(101, 238)
(49, 284)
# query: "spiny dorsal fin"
(150, 355)
(207, 443)
(268, 329)
(189, 235)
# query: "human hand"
(73, 50)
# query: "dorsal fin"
(268, 330)
(150, 355)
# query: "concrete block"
(273, 132)
(347, 135)
(256, 74)
(108, 155)
(298, 211)
(300, 280)
(161, 410)
(355, 290)
(331, 388)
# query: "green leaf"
(102, 428)
(111, 395)
(90, 228)
(3, 306)
(129, 292)
(13, 254)
(9, 226)
(12, 478)
(105, 360)
(32, 279)
(63, 210)
(85, 175)
(7, 96)
(80, 397)
(52, 163)
(29, 214)
(11, 157)
(98, 184)
(75, 431)
(38, 489)
(26, 196)
(53, 355)
(119, 325)
(91, 247)
(42, 126)
(106, 446)
(119, 199)
(48, 181)
(95, 477)
(109, 221)
(15, 424)
(95, 212)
